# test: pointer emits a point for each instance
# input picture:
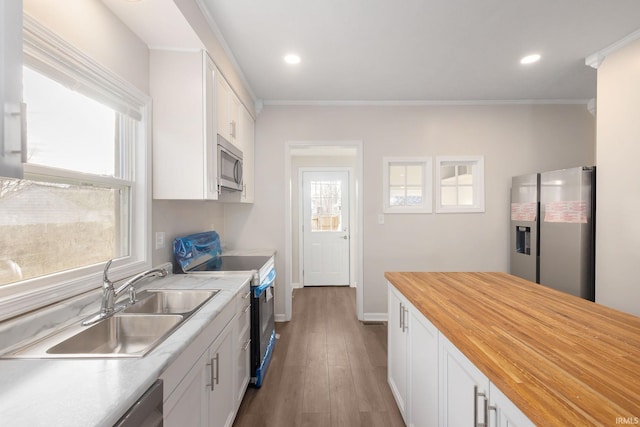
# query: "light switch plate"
(380, 218)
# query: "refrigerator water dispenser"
(523, 240)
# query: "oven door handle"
(268, 282)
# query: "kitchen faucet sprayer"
(110, 293)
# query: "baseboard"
(296, 286)
(280, 318)
(375, 317)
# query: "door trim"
(352, 203)
(358, 219)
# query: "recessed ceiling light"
(530, 59)
(292, 59)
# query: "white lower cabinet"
(206, 395)
(462, 388)
(508, 414)
(397, 349)
(412, 362)
(205, 385)
(242, 338)
(423, 373)
(469, 398)
(433, 383)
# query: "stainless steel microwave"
(229, 166)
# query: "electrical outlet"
(381, 219)
(159, 239)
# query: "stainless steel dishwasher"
(147, 411)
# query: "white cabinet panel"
(184, 143)
(463, 387)
(505, 413)
(11, 145)
(227, 111)
(222, 392)
(247, 141)
(190, 406)
(423, 371)
(397, 349)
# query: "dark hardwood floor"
(328, 369)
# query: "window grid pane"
(66, 129)
(47, 228)
(326, 206)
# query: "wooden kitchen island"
(562, 360)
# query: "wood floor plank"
(344, 403)
(322, 419)
(327, 369)
(316, 392)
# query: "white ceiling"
(420, 50)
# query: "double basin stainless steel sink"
(132, 332)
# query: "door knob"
(344, 237)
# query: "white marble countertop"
(96, 392)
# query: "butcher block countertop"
(562, 360)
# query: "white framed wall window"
(85, 196)
(407, 183)
(459, 184)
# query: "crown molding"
(422, 103)
(594, 60)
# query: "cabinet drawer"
(243, 305)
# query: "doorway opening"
(329, 217)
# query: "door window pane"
(326, 206)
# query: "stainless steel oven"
(201, 253)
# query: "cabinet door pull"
(476, 394)
(405, 312)
(246, 308)
(246, 345)
(217, 368)
(401, 316)
(210, 365)
(247, 295)
(492, 408)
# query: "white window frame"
(427, 176)
(48, 53)
(477, 166)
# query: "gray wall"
(618, 194)
(515, 139)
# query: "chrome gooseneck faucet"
(110, 293)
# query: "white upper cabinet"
(247, 138)
(228, 108)
(184, 136)
(12, 136)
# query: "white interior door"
(325, 228)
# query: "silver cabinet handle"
(405, 327)
(23, 132)
(214, 368)
(246, 345)
(477, 394)
(246, 308)
(401, 316)
(247, 295)
(217, 368)
(211, 371)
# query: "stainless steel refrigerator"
(553, 229)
